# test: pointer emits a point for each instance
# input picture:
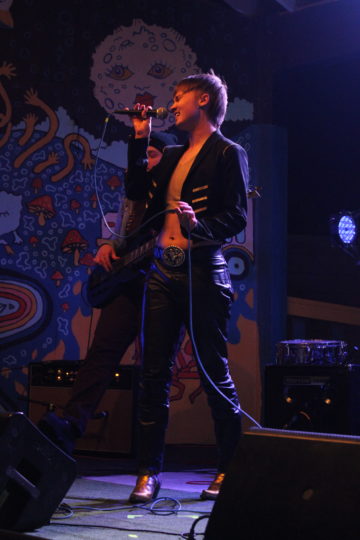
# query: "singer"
(205, 184)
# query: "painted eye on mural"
(120, 73)
(126, 43)
(159, 71)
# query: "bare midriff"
(171, 234)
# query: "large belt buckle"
(173, 256)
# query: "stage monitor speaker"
(289, 485)
(313, 398)
(34, 474)
(112, 429)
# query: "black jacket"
(215, 186)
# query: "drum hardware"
(311, 352)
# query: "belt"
(176, 257)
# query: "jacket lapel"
(167, 166)
(204, 151)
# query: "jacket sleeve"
(231, 217)
(137, 180)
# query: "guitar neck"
(134, 255)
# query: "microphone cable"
(195, 349)
(96, 187)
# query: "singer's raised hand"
(142, 124)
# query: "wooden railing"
(325, 311)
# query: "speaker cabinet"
(313, 398)
(283, 484)
(111, 431)
(34, 474)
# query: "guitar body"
(103, 286)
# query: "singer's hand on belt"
(186, 215)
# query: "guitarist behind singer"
(131, 212)
(118, 326)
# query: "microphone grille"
(162, 113)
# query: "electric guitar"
(103, 286)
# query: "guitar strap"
(130, 218)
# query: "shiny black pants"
(166, 308)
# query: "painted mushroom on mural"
(74, 243)
(37, 184)
(88, 261)
(57, 277)
(94, 200)
(43, 208)
(33, 241)
(114, 182)
(75, 206)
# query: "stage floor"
(96, 506)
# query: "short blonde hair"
(217, 90)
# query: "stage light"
(345, 232)
(347, 229)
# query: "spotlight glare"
(347, 229)
(344, 231)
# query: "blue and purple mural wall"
(64, 68)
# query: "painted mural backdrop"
(58, 176)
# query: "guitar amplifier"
(112, 429)
(313, 398)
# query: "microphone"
(161, 112)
